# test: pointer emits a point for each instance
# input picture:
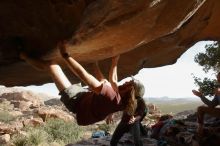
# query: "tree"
(210, 60)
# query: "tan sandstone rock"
(151, 32)
(33, 122)
(50, 112)
(4, 138)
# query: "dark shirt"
(211, 103)
(141, 111)
(96, 107)
(215, 101)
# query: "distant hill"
(175, 105)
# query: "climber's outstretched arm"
(98, 73)
(113, 76)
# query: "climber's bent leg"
(79, 71)
(54, 69)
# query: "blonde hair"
(131, 103)
(139, 88)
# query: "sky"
(174, 81)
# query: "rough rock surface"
(148, 33)
(175, 132)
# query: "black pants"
(70, 96)
(123, 128)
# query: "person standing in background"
(131, 120)
(211, 108)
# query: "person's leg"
(59, 77)
(202, 110)
(200, 118)
(143, 129)
(79, 71)
(215, 112)
(135, 130)
(68, 92)
(54, 69)
(118, 133)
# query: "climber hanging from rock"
(103, 96)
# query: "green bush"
(6, 105)
(68, 132)
(19, 140)
(34, 137)
(6, 117)
(37, 136)
(54, 130)
(107, 127)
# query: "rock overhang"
(147, 33)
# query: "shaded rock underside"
(147, 33)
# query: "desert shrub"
(60, 130)
(107, 127)
(19, 140)
(37, 136)
(104, 127)
(54, 130)
(6, 105)
(6, 117)
(34, 137)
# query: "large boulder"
(147, 33)
(50, 112)
(22, 99)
